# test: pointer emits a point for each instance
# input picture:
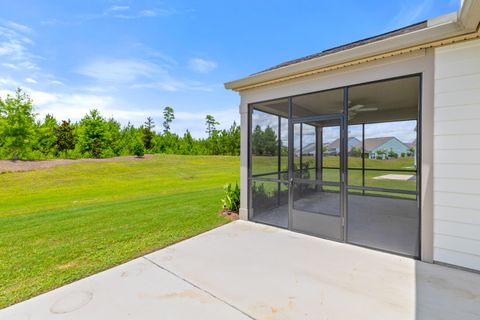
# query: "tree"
(112, 138)
(65, 138)
(211, 123)
(148, 133)
(411, 151)
(270, 141)
(187, 144)
(381, 153)
(257, 141)
(46, 139)
(168, 117)
(355, 152)
(16, 121)
(232, 142)
(392, 154)
(138, 149)
(94, 136)
(264, 143)
(92, 133)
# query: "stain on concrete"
(447, 286)
(71, 301)
(139, 268)
(187, 294)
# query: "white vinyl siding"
(457, 155)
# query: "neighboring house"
(333, 148)
(427, 72)
(329, 148)
(308, 150)
(378, 148)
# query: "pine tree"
(92, 134)
(148, 133)
(211, 123)
(168, 117)
(65, 138)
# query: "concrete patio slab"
(250, 271)
(135, 290)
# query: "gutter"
(444, 30)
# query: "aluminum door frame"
(343, 167)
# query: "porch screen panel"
(268, 174)
(382, 165)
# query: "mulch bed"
(229, 214)
(28, 165)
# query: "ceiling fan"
(360, 108)
(354, 109)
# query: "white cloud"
(119, 71)
(4, 93)
(172, 85)
(14, 46)
(42, 98)
(195, 121)
(409, 14)
(166, 59)
(138, 74)
(403, 130)
(18, 27)
(125, 12)
(118, 8)
(75, 106)
(147, 13)
(10, 65)
(9, 82)
(201, 65)
(30, 80)
(29, 65)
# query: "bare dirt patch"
(28, 165)
(232, 215)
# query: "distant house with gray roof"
(378, 148)
(334, 146)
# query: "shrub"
(139, 149)
(392, 154)
(231, 200)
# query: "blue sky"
(130, 59)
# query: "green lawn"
(266, 164)
(62, 224)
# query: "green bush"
(108, 153)
(139, 149)
(231, 200)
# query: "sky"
(130, 59)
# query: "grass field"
(266, 164)
(64, 223)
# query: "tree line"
(23, 136)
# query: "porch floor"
(245, 270)
(386, 223)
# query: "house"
(334, 146)
(330, 148)
(379, 148)
(410, 74)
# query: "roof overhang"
(454, 27)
